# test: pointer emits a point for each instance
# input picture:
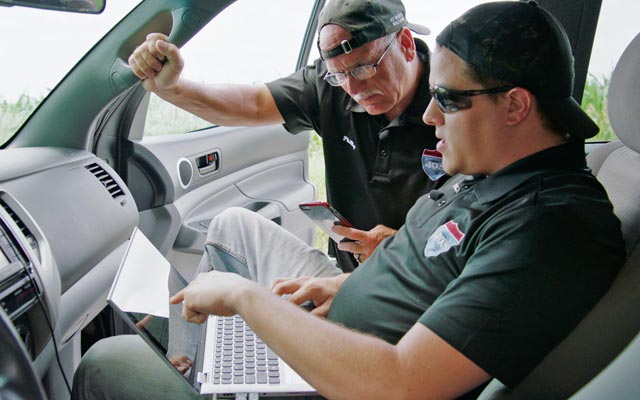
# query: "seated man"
(486, 276)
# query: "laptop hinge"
(202, 377)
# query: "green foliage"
(594, 102)
(316, 174)
(13, 114)
(165, 119)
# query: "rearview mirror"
(79, 6)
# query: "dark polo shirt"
(373, 167)
(502, 268)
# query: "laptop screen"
(140, 295)
(221, 364)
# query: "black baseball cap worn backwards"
(523, 44)
(366, 20)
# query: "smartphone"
(325, 217)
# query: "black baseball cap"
(366, 20)
(523, 44)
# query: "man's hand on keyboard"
(320, 291)
(212, 293)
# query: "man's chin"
(375, 109)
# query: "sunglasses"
(450, 101)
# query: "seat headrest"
(624, 96)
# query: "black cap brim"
(567, 114)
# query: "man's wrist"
(341, 278)
(169, 92)
(174, 91)
(246, 295)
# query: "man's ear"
(519, 106)
(407, 44)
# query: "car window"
(252, 41)
(31, 39)
(617, 26)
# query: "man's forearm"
(344, 364)
(225, 104)
(338, 362)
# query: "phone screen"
(325, 217)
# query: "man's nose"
(432, 115)
(353, 86)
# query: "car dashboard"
(65, 219)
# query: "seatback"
(615, 320)
(617, 165)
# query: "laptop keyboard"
(241, 356)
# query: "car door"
(181, 170)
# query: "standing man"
(487, 275)
(365, 97)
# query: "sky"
(34, 59)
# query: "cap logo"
(443, 239)
(397, 19)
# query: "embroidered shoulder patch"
(444, 238)
(432, 164)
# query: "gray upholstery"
(620, 175)
(617, 165)
(615, 320)
(619, 380)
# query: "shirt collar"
(565, 156)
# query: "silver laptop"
(230, 358)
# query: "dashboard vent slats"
(23, 228)
(107, 180)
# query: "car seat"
(615, 320)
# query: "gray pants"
(239, 241)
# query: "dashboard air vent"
(23, 228)
(107, 180)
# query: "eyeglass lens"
(449, 102)
(360, 73)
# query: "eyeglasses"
(360, 73)
(450, 101)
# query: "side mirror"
(78, 6)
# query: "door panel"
(263, 169)
(183, 172)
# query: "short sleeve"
(533, 275)
(298, 99)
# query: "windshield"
(43, 46)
